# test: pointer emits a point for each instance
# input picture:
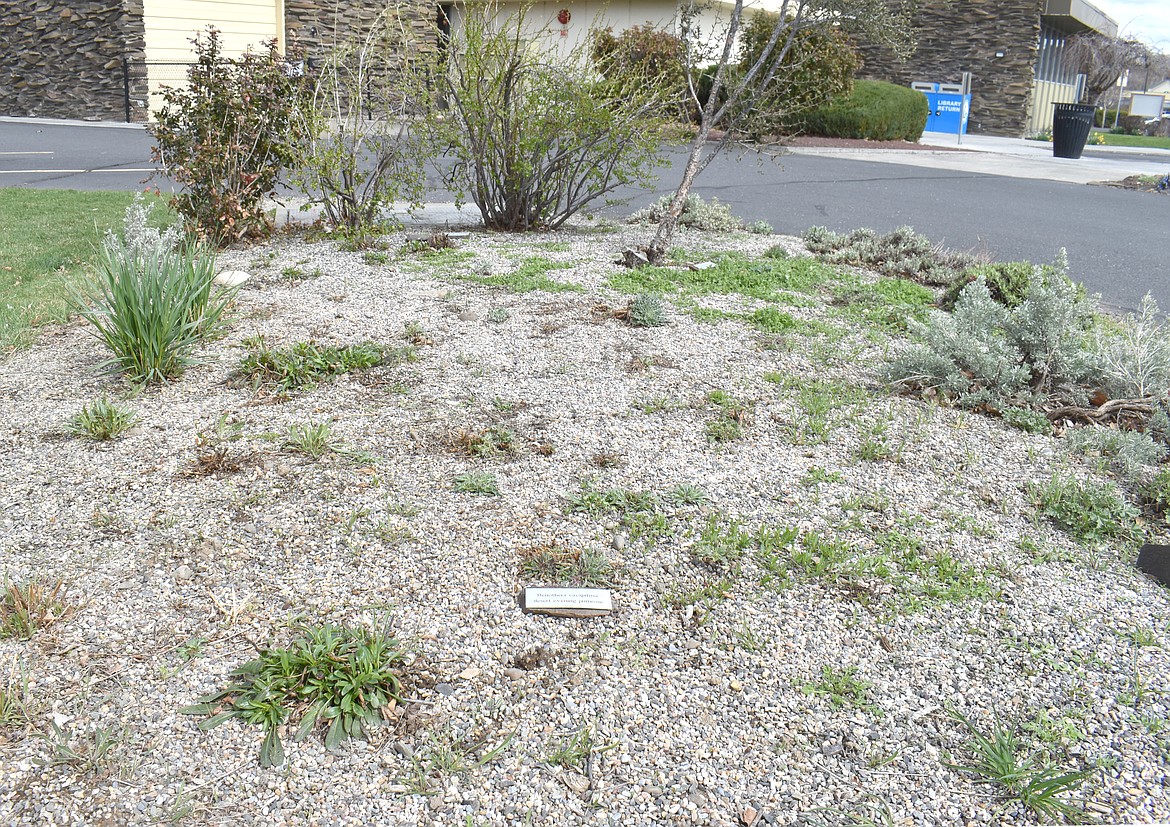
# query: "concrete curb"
(64, 122)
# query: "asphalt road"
(51, 156)
(1118, 241)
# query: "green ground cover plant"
(303, 365)
(841, 687)
(50, 237)
(1090, 512)
(686, 493)
(768, 278)
(1027, 420)
(732, 416)
(573, 753)
(723, 541)
(101, 420)
(824, 405)
(597, 502)
(339, 677)
(886, 304)
(476, 482)
(532, 274)
(314, 439)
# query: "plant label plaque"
(562, 602)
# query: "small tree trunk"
(669, 223)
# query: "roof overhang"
(1075, 16)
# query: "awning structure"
(1074, 16)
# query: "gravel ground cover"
(812, 578)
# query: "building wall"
(171, 26)
(242, 24)
(541, 20)
(64, 59)
(314, 25)
(1044, 95)
(965, 36)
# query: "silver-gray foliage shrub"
(646, 310)
(1130, 453)
(139, 240)
(1135, 359)
(901, 253)
(964, 355)
(985, 353)
(1050, 327)
(712, 216)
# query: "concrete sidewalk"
(431, 216)
(1012, 157)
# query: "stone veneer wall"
(64, 59)
(314, 25)
(956, 36)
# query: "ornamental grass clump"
(152, 299)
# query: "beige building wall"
(661, 14)
(170, 26)
(1044, 95)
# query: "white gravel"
(697, 708)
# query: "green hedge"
(875, 110)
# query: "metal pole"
(1120, 89)
(126, 85)
(964, 111)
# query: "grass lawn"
(1136, 140)
(49, 236)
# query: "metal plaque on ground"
(563, 602)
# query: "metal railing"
(143, 82)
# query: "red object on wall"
(563, 17)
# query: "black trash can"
(1071, 124)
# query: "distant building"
(1014, 50)
(107, 59)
